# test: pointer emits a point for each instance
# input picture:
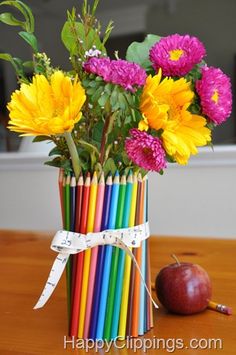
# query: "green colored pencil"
(67, 227)
(114, 262)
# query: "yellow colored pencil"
(126, 280)
(87, 256)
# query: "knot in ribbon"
(66, 243)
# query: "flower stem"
(105, 132)
(73, 153)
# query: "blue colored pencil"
(121, 261)
(100, 261)
(108, 257)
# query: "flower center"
(147, 151)
(215, 97)
(176, 54)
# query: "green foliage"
(30, 39)
(77, 40)
(109, 166)
(41, 138)
(27, 25)
(27, 34)
(138, 52)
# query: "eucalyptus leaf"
(138, 52)
(103, 99)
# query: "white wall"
(198, 200)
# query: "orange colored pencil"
(137, 279)
(80, 258)
(133, 267)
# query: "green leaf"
(54, 151)
(109, 166)
(16, 63)
(41, 138)
(89, 147)
(6, 56)
(97, 131)
(60, 162)
(26, 12)
(29, 64)
(30, 39)
(122, 101)
(75, 38)
(9, 19)
(103, 99)
(138, 52)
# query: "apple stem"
(176, 259)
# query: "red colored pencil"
(84, 202)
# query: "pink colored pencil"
(94, 255)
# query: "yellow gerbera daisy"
(164, 105)
(46, 107)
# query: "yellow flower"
(164, 105)
(46, 107)
(181, 137)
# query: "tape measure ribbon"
(66, 243)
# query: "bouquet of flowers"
(115, 117)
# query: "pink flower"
(127, 74)
(214, 89)
(98, 66)
(176, 55)
(145, 150)
(120, 72)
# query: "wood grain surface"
(25, 262)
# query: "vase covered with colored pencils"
(111, 121)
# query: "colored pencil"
(72, 203)
(66, 188)
(87, 255)
(121, 260)
(126, 280)
(114, 262)
(72, 228)
(138, 254)
(132, 275)
(94, 253)
(60, 186)
(100, 261)
(77, 258)
(108, 258)
(149, 263)
(83, 229)
(142, 309)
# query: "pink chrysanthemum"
(120, 72)
(98, 66)
(176, 55)
(145, 150)
(214, 89)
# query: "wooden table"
(25, 262)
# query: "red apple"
(183, 288)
